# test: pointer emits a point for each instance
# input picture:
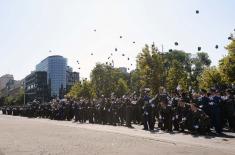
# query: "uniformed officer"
(215, 101)
(147, 113)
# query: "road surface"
(24, 136)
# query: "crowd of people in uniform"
(193, 112)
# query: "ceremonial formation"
(193, 112)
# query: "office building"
(55, 66)
(36, 87)
(71, 78)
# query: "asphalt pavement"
(24, 136)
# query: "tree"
(84, 90)
(182, 59)
(121, 88)
(19, 99)
(227, 64)
(177, 77)
(100, 78)
(75, 90)
(9, 100)
(199, 63)
(149, 66)
(87, 90)
(135, 84)
(211, 77)
(104, 79)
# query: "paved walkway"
(19, 135)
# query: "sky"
(29, 29)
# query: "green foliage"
(105, 78)
(135, 84)
(211, 77)
(87, 90)
(75, 90)
(9, 100)
(170, 69)
(202, 59)
(227, 64)
(149, 66)
(84, 90)
(121, 88)
(199, 63)
(176, 76)
(15, 100)
(20, 97)
(156, 69)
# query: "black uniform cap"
(199, 48)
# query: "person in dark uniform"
(200, 122)
(76, 111)
(229, 108)
(203, 102)
(4, 110)
(215, 102)
(122, 111)
(129, 109)
(90, 110)
(147, 122)
(182, 113)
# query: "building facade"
(71, 78)
(5, 79)
(36, 87)
(12, 88)
(55, 66)
(123, 70)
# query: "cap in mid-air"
(199, 48)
